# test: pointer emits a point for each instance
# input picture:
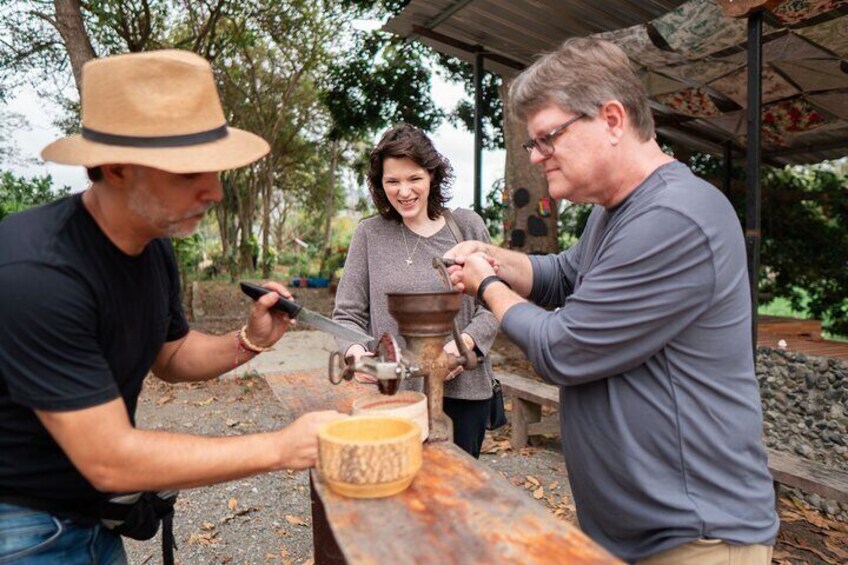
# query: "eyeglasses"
(545, 143)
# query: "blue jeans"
(33, 537)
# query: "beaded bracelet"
(249, 345)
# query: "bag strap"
(453, 226)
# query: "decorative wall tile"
(787, 117)
(815, 75)
(831, 35)
(639, 47)
(693, 102)
(700, 71)
(735, 86)
(699, 28)
(794, 12)
(834, 102)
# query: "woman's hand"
(451, 349)
(357, 352)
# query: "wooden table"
(455, 511)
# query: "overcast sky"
(456, 144)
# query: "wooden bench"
(529, 396)
(809, 476)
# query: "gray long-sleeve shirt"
(376, 265)
(659, 405)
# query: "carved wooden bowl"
(369, 456)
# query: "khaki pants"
(712, 552)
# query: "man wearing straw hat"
(90, 302)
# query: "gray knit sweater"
(376, 265)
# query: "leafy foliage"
(460, 71)
(493, 212)
(18, 193)
(382, 80)
(804, 248)
(805, 242)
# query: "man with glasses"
(650, 340)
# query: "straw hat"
(159, 109)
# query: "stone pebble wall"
(805, 412)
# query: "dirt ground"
(266, 519)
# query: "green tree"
(266, 54)
(804, 250)
(18, 193)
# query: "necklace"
(409, 255)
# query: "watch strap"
(491, 279)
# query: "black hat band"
(153, 142)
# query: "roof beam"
(817, 148)
(744, 8)
(463, 46)
(439, 18)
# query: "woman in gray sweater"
(393, 252)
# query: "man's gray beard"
(152, 210)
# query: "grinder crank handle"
(471, 359)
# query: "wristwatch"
(485, 283)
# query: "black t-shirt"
(81, 323)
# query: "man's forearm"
(154, 460)
(200, 357)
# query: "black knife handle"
(283, 305)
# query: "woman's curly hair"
(405, 140)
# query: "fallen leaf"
(532, 480)
(779, 554)
(205, 538)
(836, 549)
(539, 493)
(816, 519)
(232, 503)
(553, 485)
(164, 400)
(803, 545)
(208, 526)
(295, 521)
(238, 513)
(494, 446)
(797, 503)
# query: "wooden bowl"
(369, 456)
(405, 404)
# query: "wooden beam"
(463, 46)
(743, 8)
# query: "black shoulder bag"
(497, 413)
(138, 515)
